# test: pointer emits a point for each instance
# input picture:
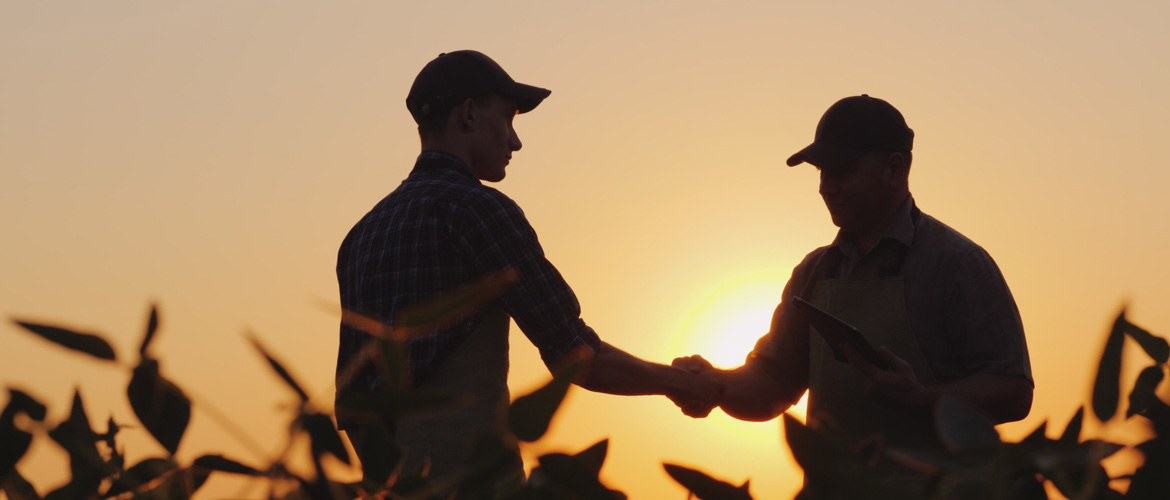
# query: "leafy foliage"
(977, 463)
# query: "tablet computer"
(836, 331)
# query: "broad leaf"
(87, 343)
(452, 307)
(962, 427)
(530, 415)
(1156, 347)
(160, 405)
(279, 369)
(17, 487)
(222, 464)
(138, 477)
(706, 487)
(151, 328)
(1072, 431)
(85, 463)
(570, 475)
(594, 456)
(1107, 386)
(14, 442)
(1144, 390)
(323, 436)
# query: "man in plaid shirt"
(443, 229)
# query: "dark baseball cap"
(853, 127)
(456, 76)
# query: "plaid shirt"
(440, 230)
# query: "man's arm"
(614, 371)
(1002, 398)
(748, 392)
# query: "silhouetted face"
(858, 193)
(494, 139)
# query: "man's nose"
(828, 185)
(514, 142)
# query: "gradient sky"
(211, 155)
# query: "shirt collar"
(901, 229)
(443, 159)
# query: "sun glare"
(723, 327)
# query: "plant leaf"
(85, 463)
(1072, 431)
(569, 474)
(452, 307)
(14, 442)
(151, 328)
(324, 437)
(17, 487)
(705, 487)
(1156, 347)
(962, 427)
(222, 464)
(279, 369)
(530, 415)
(1144, 390)
(159, 404)
(87, 343)
(594, 456)
(1107, 386)
(140, 475)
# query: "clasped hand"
(705, 390)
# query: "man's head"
(863, 149)
(464, 102)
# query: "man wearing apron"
(933, 302)
(443, 229)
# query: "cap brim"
(826, 156)
(527, 97)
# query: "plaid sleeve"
(496, 235)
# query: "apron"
(877, 307)
(478, 370)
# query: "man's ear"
(897, 167)
(467, 114)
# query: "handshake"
(701, 389)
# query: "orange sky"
(211, 156)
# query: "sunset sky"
(210, 156)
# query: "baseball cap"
(853, 127)
(453, 77)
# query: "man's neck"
(868, 237)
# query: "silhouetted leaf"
(221, 464)
(1072, 431)
(594, 456)
(181, 484)
(140, 475)
(151, 328)
(323, 436)
(962, 427)
(1107, 386)
(380, 454)
(706, 487)
(452, 307)
(1149, 481)
(14, 442)
(279, 369)
(20, 402)
(17, 487)
(160, 405)
(529, 415)
(87, 343)
(1144, 390)
(570, 475)
(1156, 347)
(1039, 435)
(85, 463)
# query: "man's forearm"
(1003, 398)
(614, 371)
(752, 394)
